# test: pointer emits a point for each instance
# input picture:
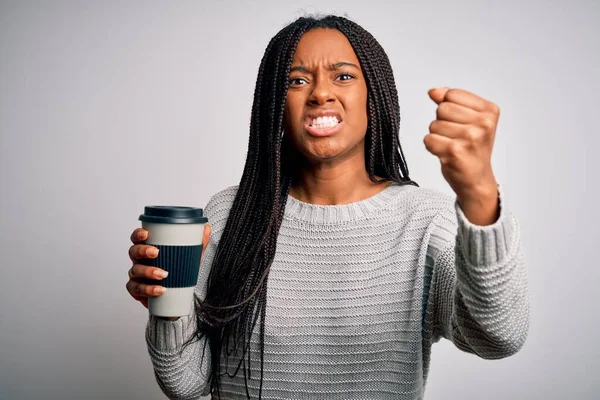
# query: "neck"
(335, 183)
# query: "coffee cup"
(177, 232)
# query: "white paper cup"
(177, 233)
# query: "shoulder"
(420, 202)
(431, 212)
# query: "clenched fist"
(462, 137)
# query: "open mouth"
(324, 122)
(323, 125)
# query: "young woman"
(329, 273)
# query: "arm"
(478, 297)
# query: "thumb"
(438, 94)
(205, 239)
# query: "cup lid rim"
(173, 214)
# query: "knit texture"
(358, 293)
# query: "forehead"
(323, 45)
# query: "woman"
(329, 273)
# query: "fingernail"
(153, 252)
(159, 290)
(160, 274)
(141, 235)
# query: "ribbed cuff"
(165, 335)
(490, 244)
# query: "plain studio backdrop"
(109, 106)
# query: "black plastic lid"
(173, 215)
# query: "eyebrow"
(334, 67)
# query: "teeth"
(325, 122)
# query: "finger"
(137, 289)
(453, 112)
(141, 251)
(139, 235)
(468, 99)
(132, 292)
(446, 128)
(438, 94)
(438, 145)
(205, 239)
(143, 271)
(143, 300)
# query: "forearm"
(491, 289)
(491, 304)
(480, 286)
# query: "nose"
(322, 92)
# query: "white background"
(108, 106)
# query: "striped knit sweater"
(358, 293)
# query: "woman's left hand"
(462, 137)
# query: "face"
(326, 105)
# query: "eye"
(297, 81)
(344, 77)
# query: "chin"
(326, 156)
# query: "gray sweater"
(358, 293)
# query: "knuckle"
(141, 289)
(442, 110)
(426, 140)
(432, 126)
(454, 149)
(140, 270)
(495, 108)
(472, 133)
(487, 123)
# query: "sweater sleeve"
(478, 295)
(181, 372)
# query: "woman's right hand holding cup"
(137, 285)
(137, 253)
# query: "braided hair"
(236, 294)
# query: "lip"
(321, 132)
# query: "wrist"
(481, 206)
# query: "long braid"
(236, 297)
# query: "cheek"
(292, 114)
(293, 104)
(359, 119)
(365, 113)
(358, 114)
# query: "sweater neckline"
(334, 214)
